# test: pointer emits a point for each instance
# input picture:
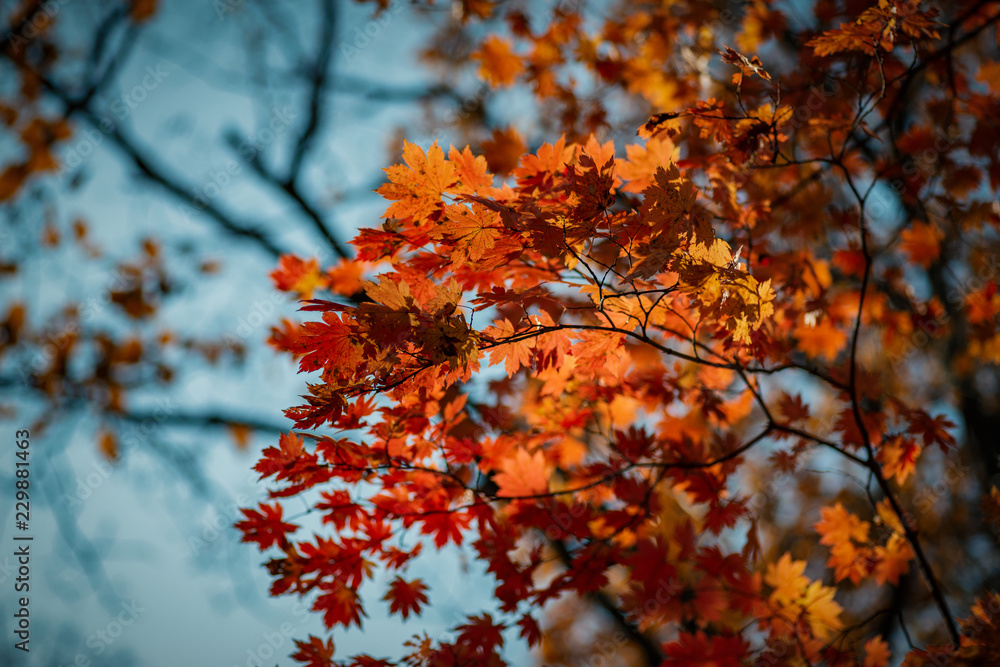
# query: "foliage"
(684, 327)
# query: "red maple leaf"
(314, 652)
(265, 527)
(405, 597)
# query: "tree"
(782, 297)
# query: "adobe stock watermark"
(248, 149)
(928, 328)
(259, 315)
(102, 639)
(121, 108)
(224, 8)
(40, 21)
(362, 38)
(466, 109)
(262, 655)
(953, 475)
(217, 524)
(90, 309)
(137, 434)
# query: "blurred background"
(156, 160)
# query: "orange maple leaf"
(297, 275)
(416, 187)
(498, 63)
(898, 455)
(838, 525)
(820, 339)
(876, 652)
(523, 474)
(921, 242)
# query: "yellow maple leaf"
(787, 579)
(822, 613)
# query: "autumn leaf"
(786, 578)
(473, 231)
(142, 10)
(820, 339)
(406, 597)
(838, 525)
(892, 560)
(876, 652)
(640, 166)
(314, 652)
(299, 276)
(523, 474)
(921, 242)
(265, 527)
(898, 456)
(793, 409)
(822, 613)
(344, 278)
(339, 604)
(514, 353)
(498, 63)
(108, 445)
(416, 187)
(503, 150)
(933, 430)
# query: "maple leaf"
(876, 652)
(793, 409)
(328, 344)
(933, 430)
(514, 354)
(530, 631)
(473, 230)
(498, 63)
(340, 605)
(445, 526)
(747, 66)
(324, 404)
(277, 460)
(416, 188)
(314, 652)
(344, 278)
(892, 560)
(523, 474)
(376, 244)
(838, 525)
(898, 456)
(265, 527)
(822, 613)
(921, 242)
(296, 275)
(786, 577)
(820, 339)
(405, 597)
(642, 162)
(503, 150)
(697, 650)
(481, 634)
